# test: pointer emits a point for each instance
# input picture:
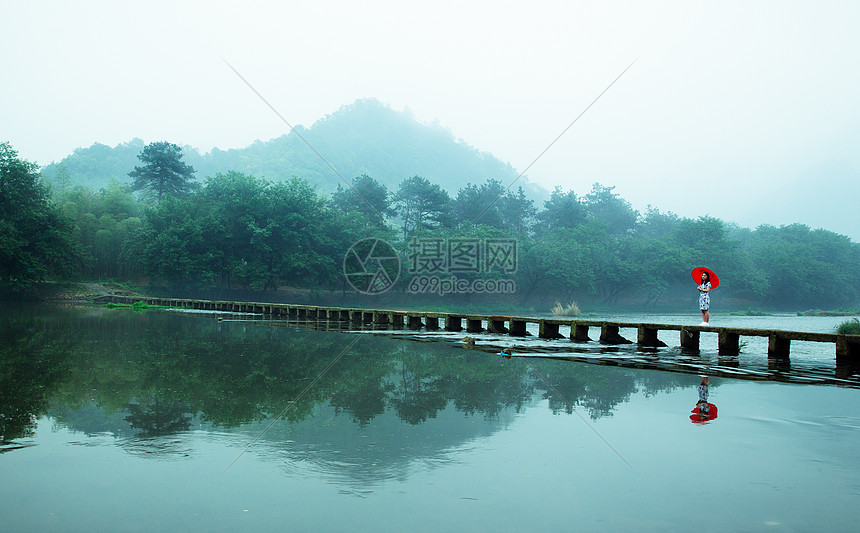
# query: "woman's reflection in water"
(704, 412)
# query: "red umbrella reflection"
(704, 413)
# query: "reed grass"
(572, 309)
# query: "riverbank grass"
(749, 312)
(836, 312)
(849, 327)
(571, 309)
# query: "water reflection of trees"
(160, 369)
(33, 363)
(597, 389)
(154, 419)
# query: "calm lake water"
(114, 420)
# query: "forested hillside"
(484, 243)
(366, 137)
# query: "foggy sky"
(745, 111)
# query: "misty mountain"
(366, 137)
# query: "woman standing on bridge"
(705, 298)
(706, 280)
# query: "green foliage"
(478, 204)
(562, 210)
(849, 327)
(421, 205)
(242, 231)
(556, 260)
(239, 230)
(609, 208)
(749, 311)
(36, 240)
(517, 211)
(492, 204)
(104, 223)
(834, 312)
(94, 167)
(367, 197)
(804, 267)
(162, 172)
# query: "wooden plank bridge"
(728, 339)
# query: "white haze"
(746, 111)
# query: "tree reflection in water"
(34, 361)
(155, 419)
(147, 378)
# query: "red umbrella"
(697, 276)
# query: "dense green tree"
(517, 211)
(655, 224)
(705, 242)
(366, 196)
(95, 165)
(805, 268)
(491, 204)
(104, 222)
(562, 210)
(479, 204)
(118, 200)
(174, 246)
(421, 205)
(240, 231)
(609, 208)
(163, 172)
(62, 182)
(556, 265)
(309, 243)
(652, 266)
(36, 240)
(605, 258)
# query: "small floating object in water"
(468, 341)
(506, 353)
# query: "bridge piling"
(690, 339)
(548, 330)
(579, 332)
(778, 347)
(453, 323)
(496, 325)
(648, 337)
(518, 328)
(847, 351)
(728, 343)
(609, 335)
(474, 325)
